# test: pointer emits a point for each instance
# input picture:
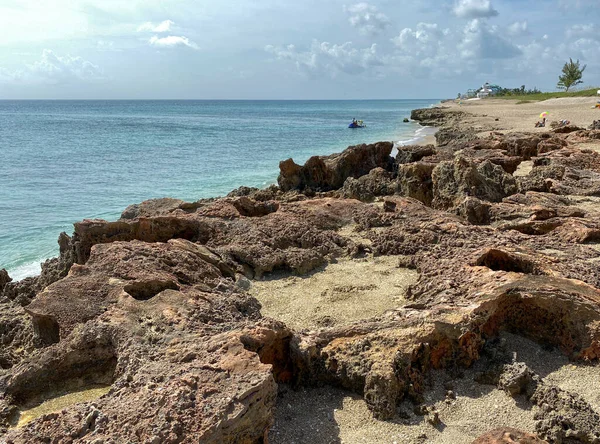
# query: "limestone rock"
(435, 116)
(453, 181)
(4, 279)
(454, 136)
(155, 304)
(415, 180)
(152, 207)
(324, 173)
(377, 183)
(517, 378)
(566, 129)
(413, 153)
(565, 417)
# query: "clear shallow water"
(62, 161)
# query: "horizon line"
(215, 100)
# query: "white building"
(485, 91)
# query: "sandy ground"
(427, 140)
(330, 415)
(339, 293)
(513, 116)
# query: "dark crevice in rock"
(145, 290)
(46, 329)
(499, 260)
(545, 325)
(273, 347)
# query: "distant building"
(485, 91)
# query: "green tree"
(571, 75)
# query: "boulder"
(566, 129)
(413, 153)
(517, 379)
(454, 136)
(520, 144)
(435, 116)
(453, 181)
(325, 173)
(151, 207)
(564, 416)
(377, 183)
(4, 279)
(414, 180)
(474, 210)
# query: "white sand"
(522, 117)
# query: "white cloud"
(425, 40)
(54, 69)
(163, 26)
(518, 29)
(171, 41)
(429, 50)
(474, 9)
(331, 59)
(367, 18)
(586, 31)
(485, 42)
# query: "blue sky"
(278, 49)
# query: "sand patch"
(330, 415)
(524, 168)
(589, 204)
(59, 403)
(342, 292)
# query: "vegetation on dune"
(588, 92)
(572, 73)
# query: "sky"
(280, 49)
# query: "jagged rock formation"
(325, 173)
(155, 304)
(436, 116)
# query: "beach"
(413, 293)
(520, 115)
(342, 417)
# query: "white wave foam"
(420, 134)
(26, 270)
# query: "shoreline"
(422, 135)
(455, 247)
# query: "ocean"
(63, 161)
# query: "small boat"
(357, 124)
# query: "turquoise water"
(62, 161)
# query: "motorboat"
(357, 124)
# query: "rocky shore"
(454, 250)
